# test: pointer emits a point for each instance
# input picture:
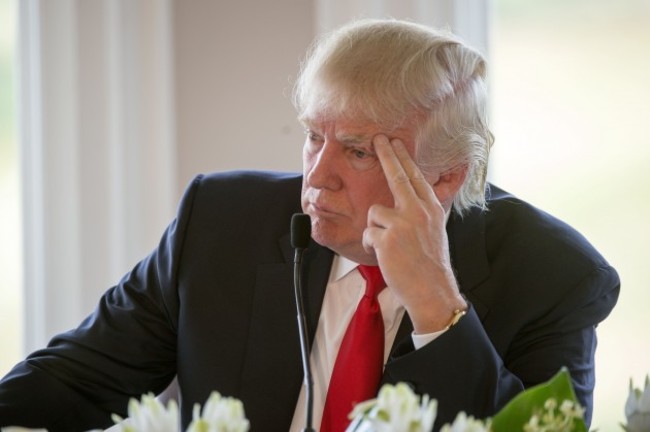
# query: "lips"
(323, 203)
(321, 209)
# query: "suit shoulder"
(513, 250)
(516, 225)
(255, 188)
(249, 180)
(241, 198)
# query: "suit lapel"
(317, 263)
(467, 247)
(272, 371)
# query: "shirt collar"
(341, 266)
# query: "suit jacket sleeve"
(126, 347)
(463, 370)
(537, 290)
(460, 369)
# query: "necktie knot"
(374, 280)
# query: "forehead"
(341, 124)
(357, 128)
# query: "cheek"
(384, 199)
(375, 193)
(381, 194)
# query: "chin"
(337, 238)
(323, 234)
(326, 233)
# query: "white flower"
(220, 414)
(463, 423)
(149, 415)
(396, 409)
(555, 418)
(637, 408)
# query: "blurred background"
(109, 107)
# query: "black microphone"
(300, 235)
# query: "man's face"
(342, 179)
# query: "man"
(485, 294)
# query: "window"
(10, 225)
(570, 100)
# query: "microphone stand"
(304, 340)
(300, 234)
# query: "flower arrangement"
(219, 414)
(548, 407)
(398, 409)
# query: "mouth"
(322, 204)
(321, 210)
(316, 208)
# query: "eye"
(361, 157)
(360, 154)
(313, 140)
(312, 136)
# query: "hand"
(410, 241)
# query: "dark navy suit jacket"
(214, 305)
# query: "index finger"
(396, 176)
(405, 179)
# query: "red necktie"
(360, 360)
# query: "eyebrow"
(353, 139)
(345, 138)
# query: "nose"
(324, 167)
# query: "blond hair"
(390, 72)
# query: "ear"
(448, 184)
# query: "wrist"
(440, 318)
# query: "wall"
(234, 64)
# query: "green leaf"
(519, 410)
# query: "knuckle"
(418, 176)
(372, 212)
(401, 178)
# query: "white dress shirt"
(344, 291)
